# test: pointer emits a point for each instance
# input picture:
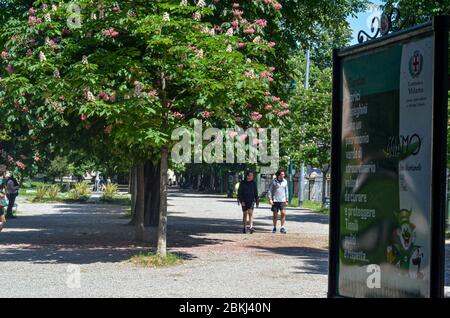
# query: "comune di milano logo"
(416, 64)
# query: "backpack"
(16, 183)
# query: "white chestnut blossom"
(42, 57)
(197, 16)
(166, 17)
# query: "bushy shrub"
(80, 192)
(49, 192)
(109, 191)
(53, 191)
(41, 192)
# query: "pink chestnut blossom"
(110, 33)
(249, 30)
(281, 113)
(261, 22)
(243, 137)
(277, 6)
(256, 116)
(21, 165)
(206, 114)
(178, 115)
(4, 55)
(238, 13)
(257, 142)
(232, 134)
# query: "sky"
(364, 20)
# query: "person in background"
(12, 191)
(248, 197)
(278, 197)
(3, 205)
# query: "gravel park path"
(42, 252)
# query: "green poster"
(385, 199)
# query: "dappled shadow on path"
(85, 234)
(311, 260)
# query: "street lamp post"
(301, 192)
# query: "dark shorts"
(2, 210)
(278, 206)
(247, 206)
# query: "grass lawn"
(314, 206)
(118, 199)
(153, 260)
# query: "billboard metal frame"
(439, 29)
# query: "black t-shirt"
(248, 192)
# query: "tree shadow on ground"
(85, 234)
(313, 260)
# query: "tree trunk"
(140, 204)
(162, 227)
(130, 181)
(133, 190)
(152, 201)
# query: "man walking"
(278, 197)
(248, 197)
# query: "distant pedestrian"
(278, 197)
(12, 191)
(248, 197)
(3, 205)
(101, 184)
